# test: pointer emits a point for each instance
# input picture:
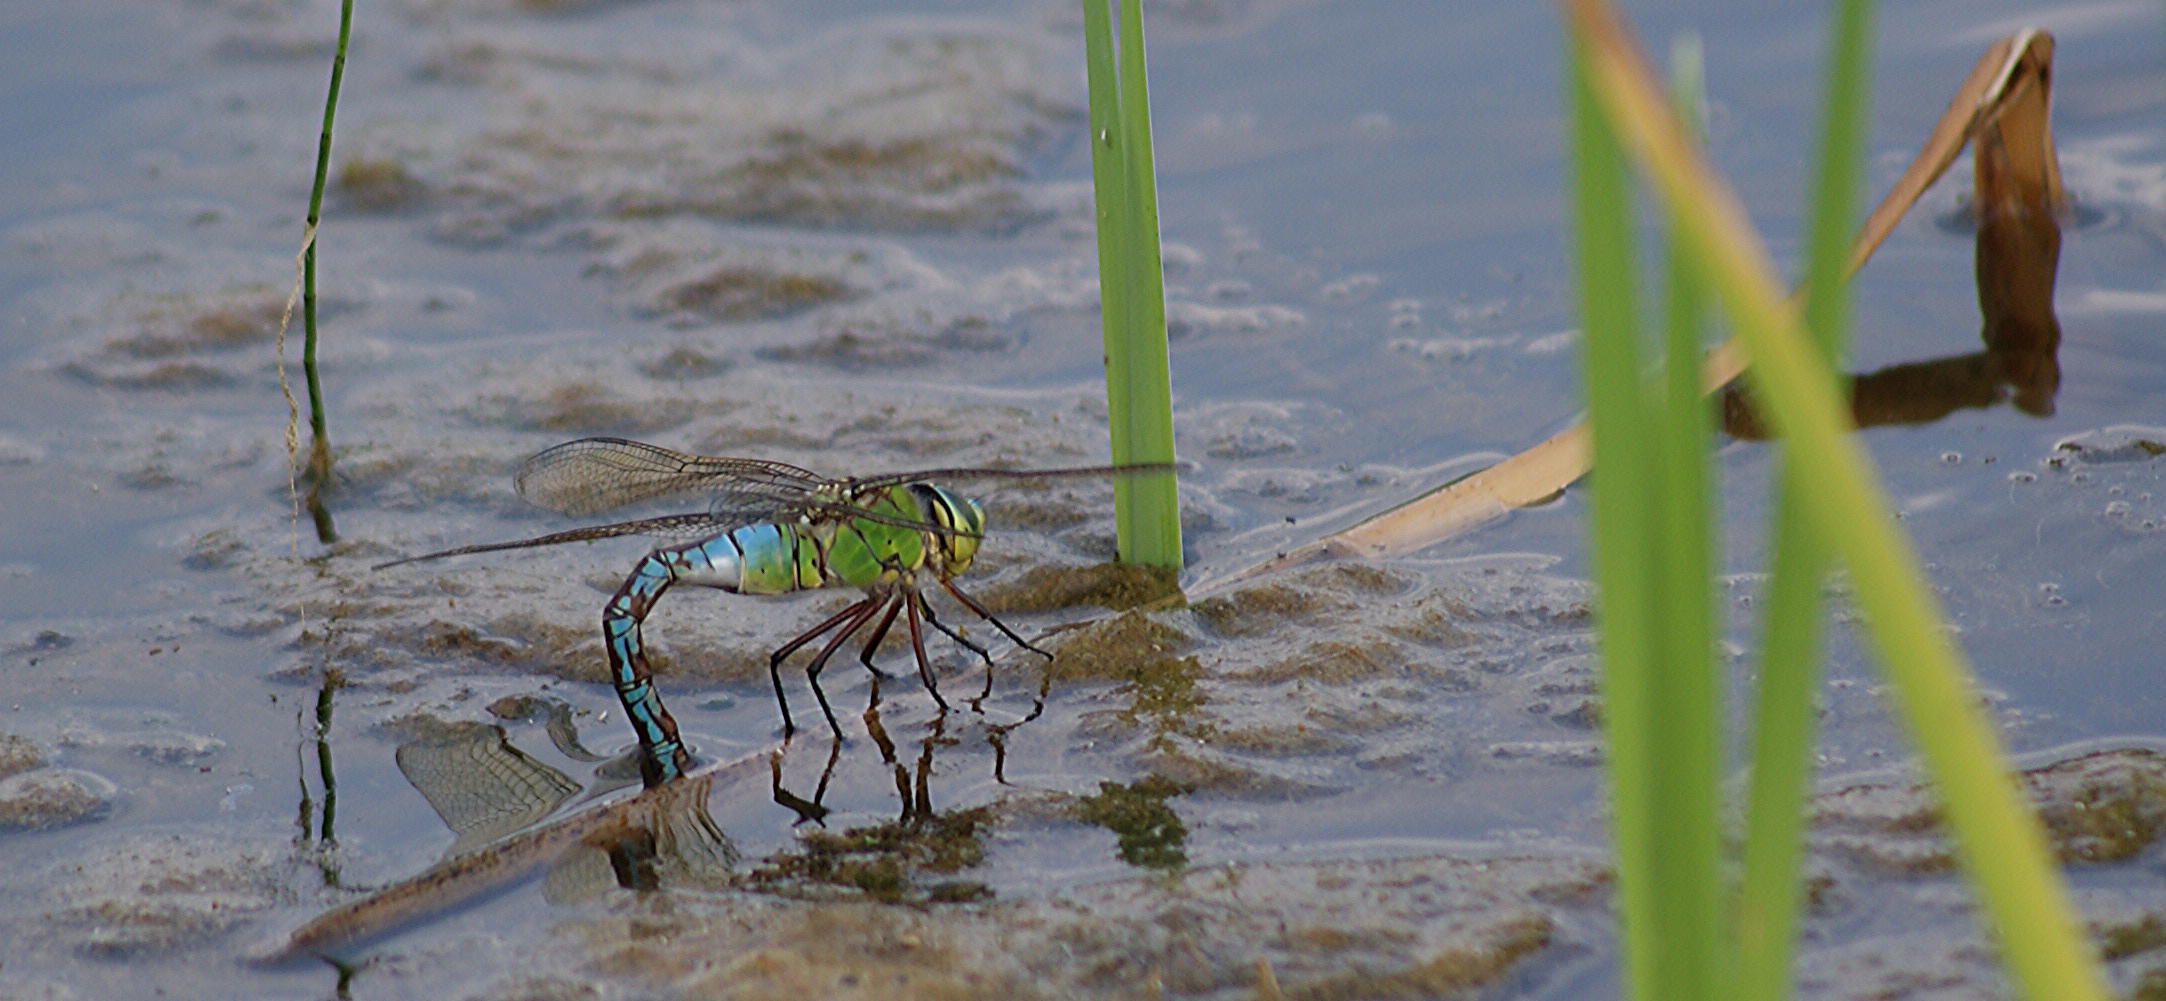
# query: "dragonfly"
(770, 528)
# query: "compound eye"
(970, 524)
(962, 518)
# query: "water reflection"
(2018, 255)
(913, 780)
(308, 839)
(812, 810)
(496, 798)
(515, 815)
(906, 860)
(479, 785)
(486, 790)
(556, 717)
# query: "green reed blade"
(1620, 512)
(1687, 686)
(2001, 841)
(1784, 731)
(1131, 279)
(1652, 552)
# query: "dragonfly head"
(963, 521)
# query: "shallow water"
(861, 244)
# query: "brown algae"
(2098, 808)
(1126, 647)
(1115, 586)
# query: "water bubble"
(1951, 458)
(2023, 476)
(2117, 509)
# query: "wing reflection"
(500, 802)
(482, 787)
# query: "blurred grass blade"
(1661, 698)
(1621, 514)
(1783, 731)
(2009, 76)
(1131, 280)
(1686, 688)
(2001, 841)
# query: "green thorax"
(862, 551)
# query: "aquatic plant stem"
(1131, 281)
(1686, 689)
(2001, 841)
(319, 448)
(1609, 314)
(1653, 562)
(1784, 732)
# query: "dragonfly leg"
(972, 604)
(911, 603)
(958, 637)
(978, 703)
(860, 610)
(864, 611)
(872, 643)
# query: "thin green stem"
(319, 449)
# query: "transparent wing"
(596, 474)
(968, 473)
(592, 475)
(840, 499)
(667, 525)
